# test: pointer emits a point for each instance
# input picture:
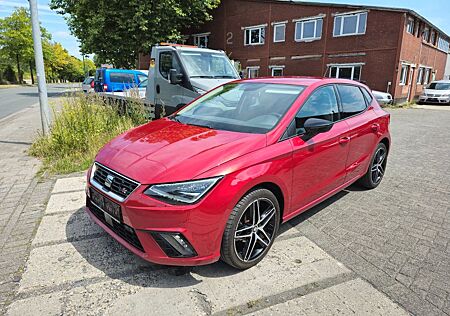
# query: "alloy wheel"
(255, 230)
(378, 165)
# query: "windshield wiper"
(200, 125)
(174, 118)
(224, 76)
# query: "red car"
(216, 179)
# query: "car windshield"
(241, 107)
(439, 86)
(207, 65)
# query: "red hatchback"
(215, 180)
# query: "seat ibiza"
(216, 179)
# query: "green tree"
(116, 30)
(16, 41)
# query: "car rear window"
(352, 99)
(121, 77)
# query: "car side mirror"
(175, 77)
(314, 126)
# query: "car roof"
(301, 81)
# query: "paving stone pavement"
(22, 198)
(76, 268)
(398, 235)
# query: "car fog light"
(174, 244)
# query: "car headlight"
(199, 91)
(187, 192)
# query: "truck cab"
(179, 73)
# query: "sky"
(436, 11)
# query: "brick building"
(395, 50)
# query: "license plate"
(432, 99)
(106, 205)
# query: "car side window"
(322, 103)
(168, 61)
(352, 100)
(368, 96)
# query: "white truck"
(180, 73)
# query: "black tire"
(376, 170)
(238, 251)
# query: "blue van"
(114, 80)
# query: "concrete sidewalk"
(75, 268)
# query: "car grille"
(120, 185)
(124, 231)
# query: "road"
(15, 99)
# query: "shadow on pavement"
(36, 94)
(106, 254)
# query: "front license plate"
(106, 205)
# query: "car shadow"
(104, 253)
(36, 94)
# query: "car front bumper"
(437, 100)
(143, 219)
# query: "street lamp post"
(40, 71)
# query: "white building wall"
(447, 68)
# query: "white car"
(437, 92)
(383, 98)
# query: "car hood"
(167, 151)
(434, 91)
(208, 83)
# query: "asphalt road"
(15, 99)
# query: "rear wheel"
(251, 229)
(376, 169)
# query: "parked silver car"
(437, 92)
(88, 85)
(383, 98)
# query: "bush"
(81, 126)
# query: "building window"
(308, 30)
(350, 24)
(426, 34)
(279, 32)
(201, 40)
(410, 26)
(253, 72)
(443, 45)
(346, 71)
(277, 71)
(254, 35)
(404, 75)
(420, 75)
(433, 38)
(426, 77)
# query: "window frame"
(410, 23)
(201, 35)
(249, 29)
(277, 68)
(275, 26)
(427, 75)
(352, 65)
(248, 68)
(420, 73)
(302, 22)
(405, 81)
(426, 34)
(347, 15)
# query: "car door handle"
(375, 127)
(344, 140)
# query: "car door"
(318, 161)
(363, 128)
(167, 94)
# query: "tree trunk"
(31, 72)
(19, 73)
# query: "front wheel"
(251, 229)
(377, 167)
